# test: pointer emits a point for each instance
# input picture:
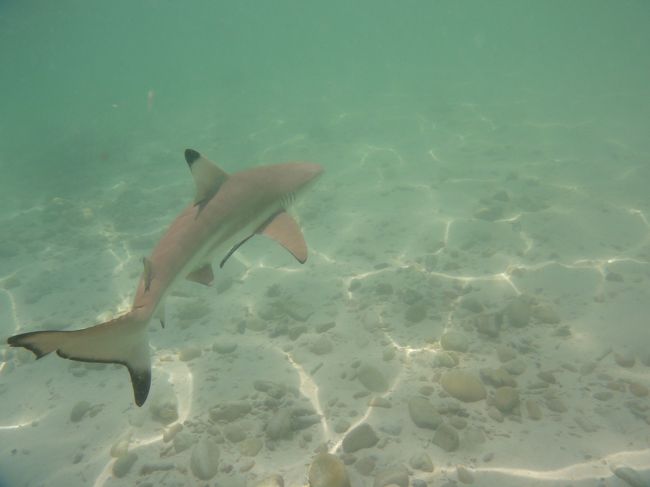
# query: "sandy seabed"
(474, 310)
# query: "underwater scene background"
(475, 307)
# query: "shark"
(227, 211)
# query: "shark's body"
(227, 211)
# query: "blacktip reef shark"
(227, 211)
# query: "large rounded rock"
(392, 476)
(363, 436)
(446, 438)
(454, 341)
(463, 386)
(518, 312)
(423, 414)
(372, 378)
(506, 398)
(327, 470)
(204, 460)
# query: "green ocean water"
(496, 147)
(76, 75)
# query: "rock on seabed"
(327, 470)
(463, 386)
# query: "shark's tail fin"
(122, 340)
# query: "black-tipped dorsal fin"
(208, 177)
(202, 275)
(285, 230)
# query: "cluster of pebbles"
(480, 380)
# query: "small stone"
(423, 413)
(372, 378)
(645, 358)
(327, 470)
(464, 475)
(365, 465)
(279, 426)
(631, 476)
(171, 432)
(394, 476)
(586, 425)
(363, 436)
(323, 327)
(123, 464)
(234, 433)
(506, 398)
(379, 402)
(274, 480)
(495, 414)
(388, 354)
(613, 276)
(505, 353)
(321, 346)
(556, 405)
(121, 446)
(458, 422)
(463, 386)
(204, 460)
(533, 409)
(470, 303)
(189, 353)
(421, 461)
(182, 441)
(416, 313)
(488, 324)
(164, 411)
(250, 447)
(229, 412)
(341, 425)
(497, 377)
(515, 367)
(454, 341)
(639, 390)
(224, 347)
(518, 312)
(626, 360)
(474, 437)
(603, 395)
(490, 213)
(547, 376)
(445, 359)
(79, 410)
(295, 332)
(545, 313)
(446, 438)
(254, 324)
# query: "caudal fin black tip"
(141, 381)
(191, 156)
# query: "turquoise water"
(484, 161)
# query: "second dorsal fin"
(208, 177)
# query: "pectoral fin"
(282, 228)
(285, 230)
(202, 275)
(208, 177)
